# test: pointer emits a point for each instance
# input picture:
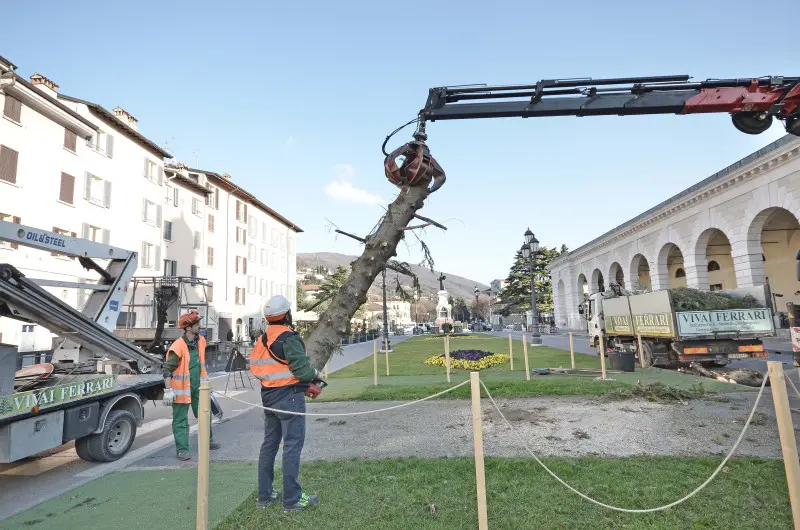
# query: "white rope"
(346, 413)
(789, 379)
(629, 510)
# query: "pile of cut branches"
(687, 299)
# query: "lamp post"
(477, 293)
(529, 251)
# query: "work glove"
(313, 391)
(169, 397)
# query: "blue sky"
(294, 99)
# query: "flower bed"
(470, 359)
(458, 336)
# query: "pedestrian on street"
(184, 370)
(280, 362)
(229, 336)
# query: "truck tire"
(647, 355)
(111, 444)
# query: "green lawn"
(412, 379)
(440, 494)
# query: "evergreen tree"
(329, 288)
(516, 295)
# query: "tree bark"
(324, 340)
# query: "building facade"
(71, 166)
(737, 228)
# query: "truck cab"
(592, 310)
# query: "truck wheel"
(111, 444)
(647, 355)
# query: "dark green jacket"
(290, 347)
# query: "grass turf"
(412, 379)
(440, 493)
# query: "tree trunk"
(324, 339)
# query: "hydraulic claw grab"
(753, 104)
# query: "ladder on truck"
(85, 335)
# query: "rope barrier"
(789, 379)
(346, 413)
(629, 510)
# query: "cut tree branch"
(350, 235)
(429, 221)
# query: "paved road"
(28, 482)
(778, 349)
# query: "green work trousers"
(180, 412)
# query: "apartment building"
(72, 166)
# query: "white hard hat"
(277, 306)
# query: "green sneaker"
(272, 500)
(184, 455)
(305, 502)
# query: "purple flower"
(469, 355)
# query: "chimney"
(226, 176)
(125, 117)
(45, 85)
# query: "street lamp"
(529, 251)
(477, 293)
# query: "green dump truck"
(682, 326)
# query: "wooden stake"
(203, 441)
(603, 357)
(641, 349)
(325, 371)
(375, 362)
(786, 433)
(525, 354)
(386, 346)
(571, 351)
(447, 355)
(510, 352)
(477, 437)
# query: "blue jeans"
(292, 429)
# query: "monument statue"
(441, 278)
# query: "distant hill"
(457, 286)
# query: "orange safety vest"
(268, 368)
(181, 382)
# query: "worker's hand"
(313, 391)
(169, 397)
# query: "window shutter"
(67, 191)
(210, 292)
(210, 223)
(70, 140)
(210, 256)
(87, 186)
(109, 146)
(160, 175)
(175, 197)
(144, 210)
(106, 236)
(196, 240)
(158, 215)
(106, 194)
(167, 229)
(245, 212)
(158, 257)
(85, 230)
(12, 108)
(238, 209)
(207, 199)
(244, 265)
(193, 271)
(8, 164)
(146, 168)
(194, 206)
(244, 236)
(143, 257)
(216, 198)
(237, 265)
(243, 298)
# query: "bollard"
(447, 355)
(510, 352)
(786, 432)
(603, 357)
(525, 354)
(375, 362)
(203, 442)
(386, 345)
(641, 350)
(477, 437)
(571, 351)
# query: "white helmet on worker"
(277, 308)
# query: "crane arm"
(752, 103)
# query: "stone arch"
(616, 274)
(598, 282)
(670, 259)
(773, 238)
(583, 287)
(561, 304)
(713, 265)
(639, 275)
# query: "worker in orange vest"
(280, 363)
(184, 370)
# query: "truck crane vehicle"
(753, 104)
(94, 389)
